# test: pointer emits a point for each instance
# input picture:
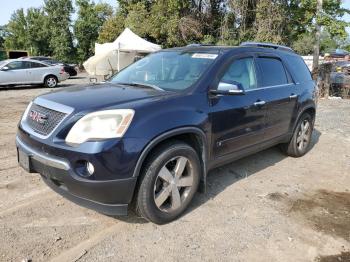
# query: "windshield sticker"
(204, 56)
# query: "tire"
(51, 81)
(164, 193)
(300, 142)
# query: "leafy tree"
(304, 45)
(3, 34)
(111, 28)
(38, 35)
(17, 31)
(59, 23)
(90, 19)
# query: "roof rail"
(267, 45)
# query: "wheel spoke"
(306, 127)
(180, 166)
(299, 139)
(165, 174)
(175, 198)
(162, 196)
(185, 181)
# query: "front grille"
(52, 119)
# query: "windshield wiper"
(141, 85)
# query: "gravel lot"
(265, 207)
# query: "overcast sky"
(9, 6)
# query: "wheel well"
(49, 76)
(310, 111)
(192, 139)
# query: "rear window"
(298, 68)
(272, 71)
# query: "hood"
(99, 96)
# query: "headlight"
(101, 125)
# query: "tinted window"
(298, 68)
(272, 71)
(36, 65)
(16, 65)
(241, 71)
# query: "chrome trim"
(42, 158)
(267, 87)
(50, 105)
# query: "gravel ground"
(265, 207)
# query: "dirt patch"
(343, 256)
(325, 211)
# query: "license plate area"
(24, 160)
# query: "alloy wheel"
(173, 184)
(51, 82)
(303, 137)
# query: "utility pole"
(317, 36)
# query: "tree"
(89, 22)
(59, 23)
(3, 35)
(17, 31)
(38, 35)
(304, 45)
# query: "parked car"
(69, 68)
(29, 72)
(148, 137)
(340, 79)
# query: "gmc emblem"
(38, 117)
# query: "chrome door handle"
(293, 96)
(259, 103)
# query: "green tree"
(304, 45)
(59, 24)
(17, 31)
(3, 34)
(38, 35)
(89, 22)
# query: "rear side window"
(272, 71)
(36, 65)
(298, 68)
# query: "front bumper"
(110, 197)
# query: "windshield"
(174, 70)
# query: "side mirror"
(228, 89)
(5, 68)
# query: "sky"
(9, 6)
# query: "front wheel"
(51, 81)
(168, 182)
(300, 142)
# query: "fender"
(174, 132)
(302, 110)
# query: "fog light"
(90, 168)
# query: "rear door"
(36, 72)
(280, 94)
(238, 120)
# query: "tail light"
(62, 71)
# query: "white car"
(28, 72)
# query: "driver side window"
(241, 71)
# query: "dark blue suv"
(148, 137)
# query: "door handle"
(293, 96)
(259, 103)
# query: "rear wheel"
(168, 183)
(51, 81)
(300, 142)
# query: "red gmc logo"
(38, 117)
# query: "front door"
(16, 73)
(238, 120)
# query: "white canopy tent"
(112, 57)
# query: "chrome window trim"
(267, 87)
(47, 104)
